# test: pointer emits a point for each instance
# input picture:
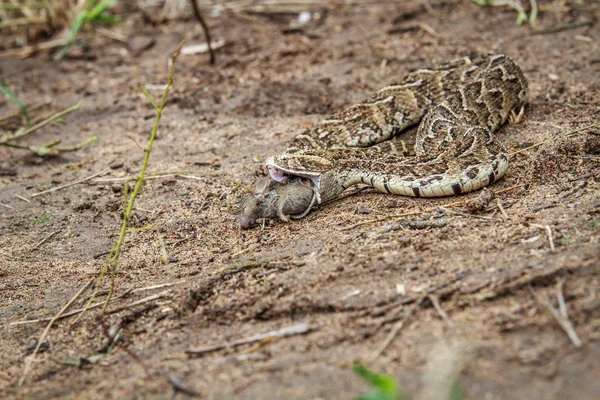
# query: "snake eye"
(284, 156)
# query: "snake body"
(461, 104)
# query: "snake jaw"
(281, 168)
(281, 176)
(276, 174)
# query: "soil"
(363, 290)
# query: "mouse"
(293, 199)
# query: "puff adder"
(461, 104)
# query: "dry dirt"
(342, 280)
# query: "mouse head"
(257, 205)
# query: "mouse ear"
(261, 185)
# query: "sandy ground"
(365, 292)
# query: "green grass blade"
(534, 12)
(85, 16)
(100, 8)
(80, 20)
(522, 17)
(15, 100)
(455, 391)
(150, 98)
(107, 19)
(384, 386)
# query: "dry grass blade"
(561, 28)
(562, 306)
(298, 329)
(45, 333)
(392, 335)
(30, 108)
(25, 199)
(243, 266)
(502, 210)
(16, 101)
(30, 50)
(104, 171)
(44, 240)
(180, 174)
(553, 139)
(548, 233)
(141, 301)
(198, 16)
(98, 304)
(436, 304)
(28, 131)
(562, 320)
(515, 5)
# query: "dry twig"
(581, 185)
(45, 333)
(44, 240)
(393, 333)
(554, 138)
(502, 210)
(180, 386)
(178, 174)
(71, 183)
(25, 199)
(159, 286)
(7, 139)
(560, 317)
(436, 304)
(153, 297)
(245, 265)
(198, 16)
(98, 304)
(561, 28)
(34, 107)
(298, 329)
(419, 224)
(549, 233)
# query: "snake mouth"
(277, 174)
(280, 175)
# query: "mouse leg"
(280, 213)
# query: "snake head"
(309, 164)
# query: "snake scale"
(460, 105)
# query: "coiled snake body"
(461, 104)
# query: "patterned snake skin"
(461, 104)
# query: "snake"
(459, 105)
